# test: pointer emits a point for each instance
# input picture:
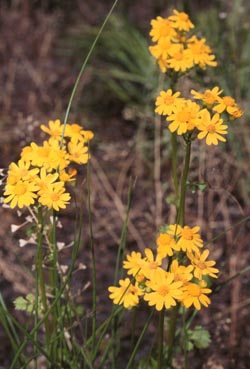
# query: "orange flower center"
(20, 189)
(179, 56)
(211, 128)
(183, 17)
(153, 265)
(54, 196)
(201, 265)
(183, 116)
(209, 98)
(194, 290)
(168, 100)
(163, 290)
(228, 100)
(187, 233)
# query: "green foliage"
(27, 303)
(199, 338)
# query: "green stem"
(40, 275)
(171, 333)
(181, 213)
(174, 165)
(160, 339)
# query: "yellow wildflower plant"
(54, 196)
(211, 128)
(134, 263)
(167, 101)
(162, 28)
(196, 295)
(166, 245)
(201, 265)
(20, 171)
(55, 129)
(127, 294)
(181, 272)
(185, 117)
(190, 239)
(201, 53)
(174, 49)
(164, 291)
(40, 175)
(20, 194)
(209, 97)
(181, 21)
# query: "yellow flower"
(185, 117)
(151, 264)
(54, 196)
(78, 153)
(201, 265)
(68, 176)
(162, 49)
(127, 294)
(180, 59)
(161, 28)
(211, 128)
(225, 103)
(20, 194)
(167, 101)
(54, 130)
(45, 180)
(49, 155)
(181, 21)
(201, 53)
(195, 294)
(165, 245)
(20, 171)
(190, 240)
(164, 290)
(134, 263)
(209, 97)
(181, 272)
(235, 112)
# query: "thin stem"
(171, 333)
(160, 339)
(40, 274)
(181, 212)
(174, 165)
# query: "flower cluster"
(39, 177)
(176, 274)
(174, 49)
(204, 120)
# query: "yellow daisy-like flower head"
(185, 117)
(209, 97)
(134, 263)
(201, 53)
(196, 294)
(162, 49)
(181, 21)
(54, 130)
(180, 59)
(164, 290)
(165, 245)
(211, 128)
(20, 194)
(225, 103)
(201, 265)
(181, 272)
(78, 152)
(127, 294)
(152, 264)
(167, 102)
(190, 239)
(161, 29)
(20, 171)
(54, 196)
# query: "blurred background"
(42, 47)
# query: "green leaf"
(200, 337)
